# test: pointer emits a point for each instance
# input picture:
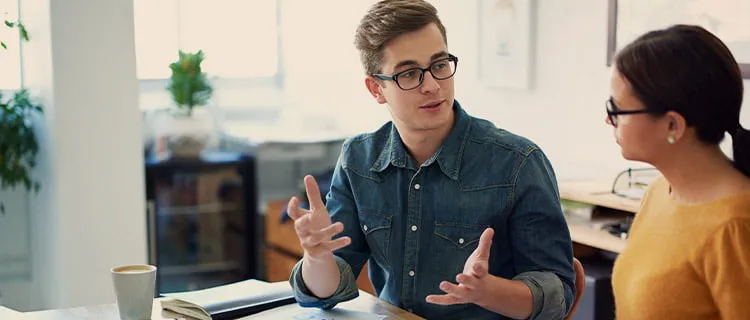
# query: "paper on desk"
(6, 313)
(295, 312)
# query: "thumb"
(485, 243)
(313, 194)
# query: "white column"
(89, 215)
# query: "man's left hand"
(473, 283)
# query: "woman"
(675, 93)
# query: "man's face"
(429, 106)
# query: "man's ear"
(375, 88)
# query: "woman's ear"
(676, 125)
(375, 88)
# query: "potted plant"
(18, 143)
(188, 131)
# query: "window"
(239, 37)
(10, 58)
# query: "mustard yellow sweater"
(685, 261)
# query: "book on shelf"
(230, 301)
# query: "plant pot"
(188, 136)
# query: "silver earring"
(671, 140)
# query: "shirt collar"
(448, 155)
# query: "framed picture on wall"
(729, 21)
(505, 43)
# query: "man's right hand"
(313, 226)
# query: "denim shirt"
(417, 225)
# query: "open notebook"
(229, 301)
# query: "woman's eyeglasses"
(613, 111)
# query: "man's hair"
(385, 21)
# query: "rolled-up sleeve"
(347, 289)
(542, 247)
(547, 294)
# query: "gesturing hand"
(313, 226)
(472, 283)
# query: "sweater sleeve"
(725, 266)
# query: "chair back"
(580, 285)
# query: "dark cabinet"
(202, 220)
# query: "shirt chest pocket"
(377, 230)
(453, 244)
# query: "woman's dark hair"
(688, 70)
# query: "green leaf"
(18, 144)
(9, 24)
(2, 44)
(23, 32)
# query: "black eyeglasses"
(613, 111)
(412, 78)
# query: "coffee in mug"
(134, 287)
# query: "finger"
(326, 247)
(293, 209)
(302, 226)
(468, 281)
(479, 269)
(453, 289)
(485, 242)
(326, 233)
(313, 194)
(339, 243)
(443, 299)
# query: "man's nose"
(429, 83)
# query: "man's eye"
(408, 74)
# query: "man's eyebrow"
(441, 54)
(405, 63)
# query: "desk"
(596, 193)
(365, 303)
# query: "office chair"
(580, 285)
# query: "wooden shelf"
(597, 193)
(596, 238)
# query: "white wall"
(89, 215)
(322, 72)
(564, 109)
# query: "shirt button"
(411, 273)
(413, 228)
(417, 186)
(364, 227)
(460, 240)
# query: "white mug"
(134, 288)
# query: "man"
(459, 219)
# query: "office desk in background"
(364, 303)
(597, 193)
